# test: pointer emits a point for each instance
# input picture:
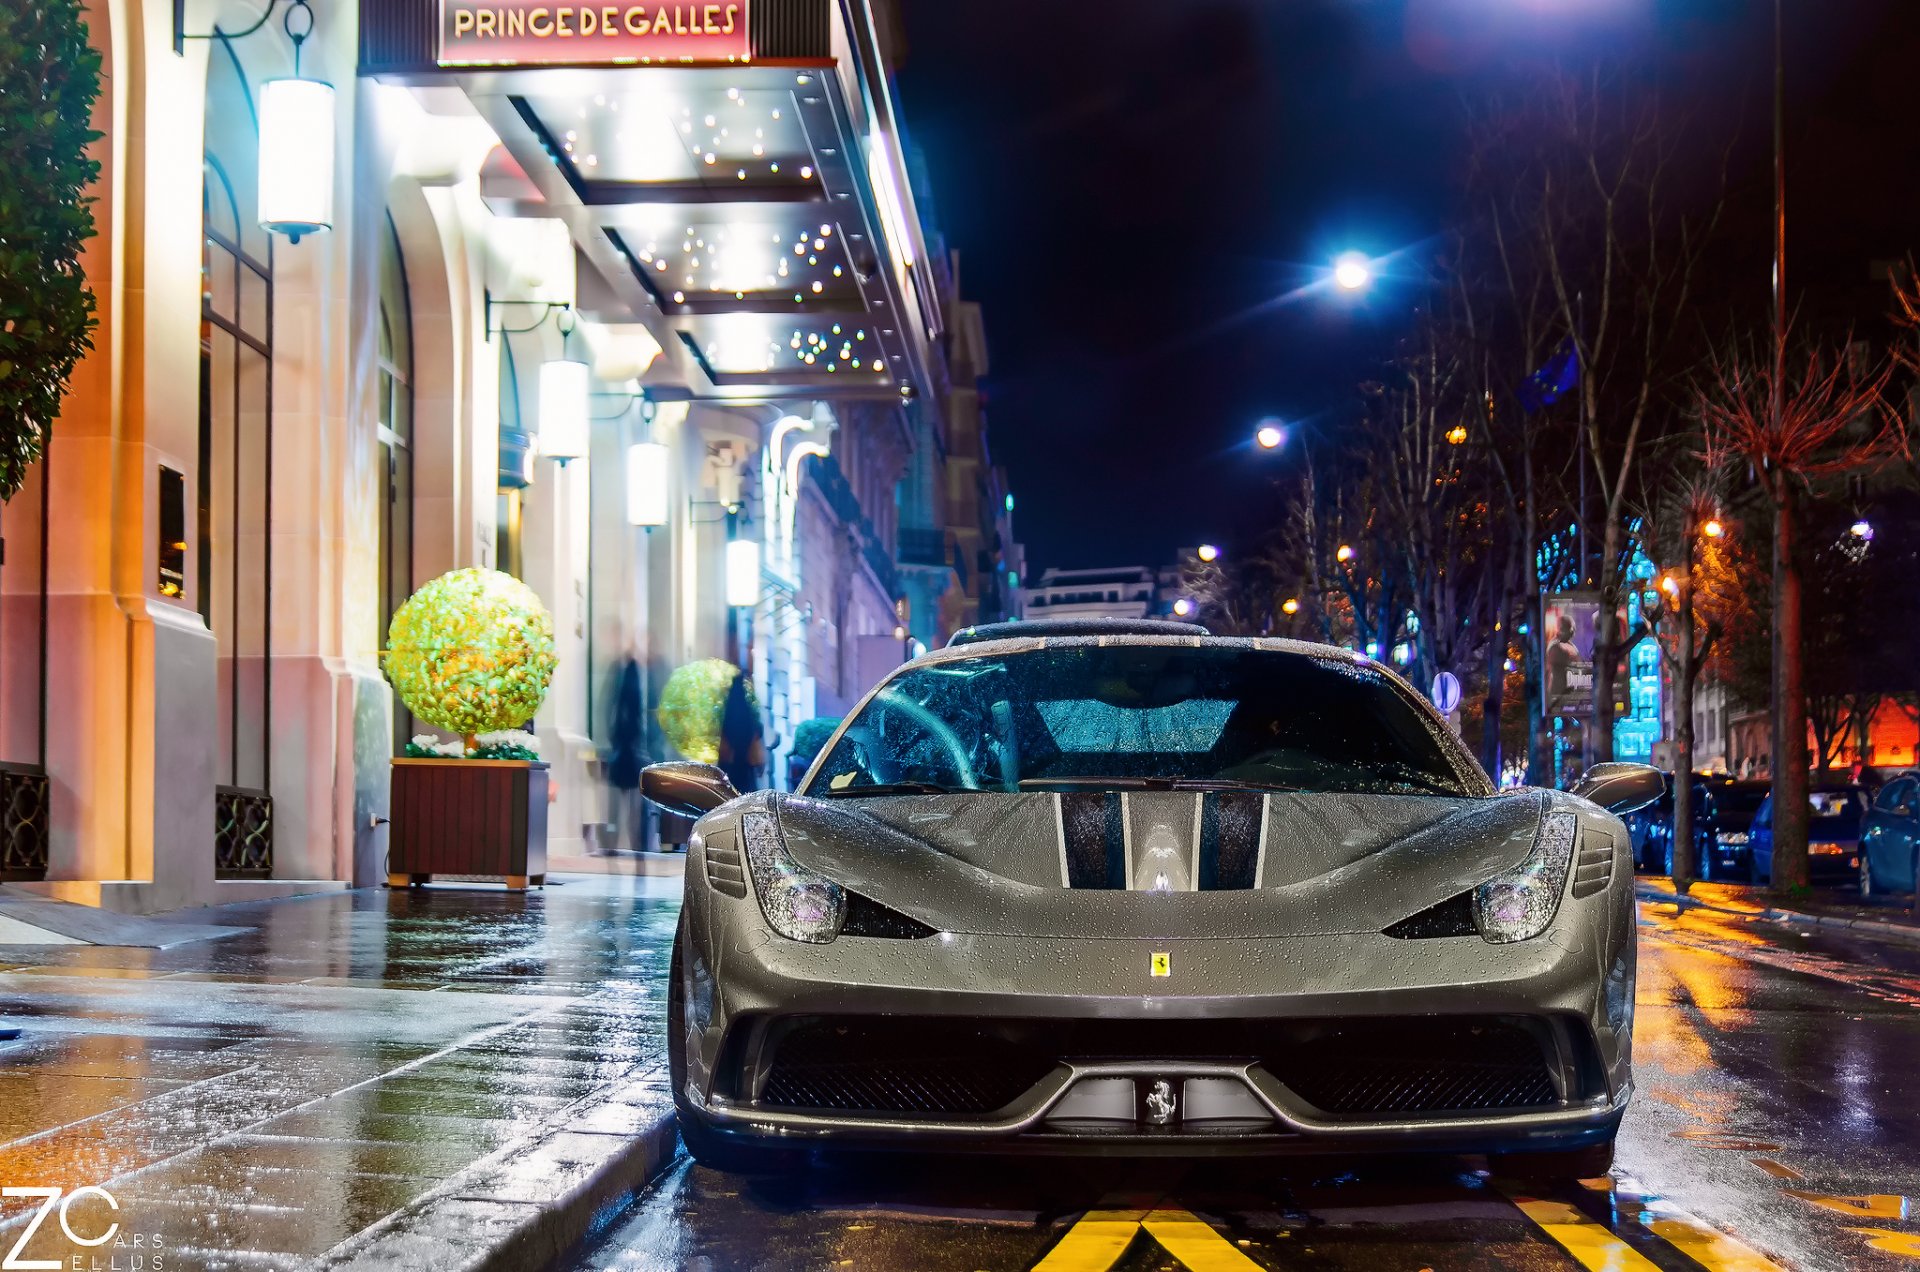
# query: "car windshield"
(1088, 716)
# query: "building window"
(395, 439)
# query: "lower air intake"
(911, 1068)
(1424, 1068)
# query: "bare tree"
(1793, 420)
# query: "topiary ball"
(691, 705)
(472, 652)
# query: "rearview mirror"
(686, 788)
(1622, 788)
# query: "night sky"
(1136, 187)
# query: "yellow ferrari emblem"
(1162, 964)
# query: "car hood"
(1161, 864)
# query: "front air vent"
(726, 873)
(1593, 864)
(1452, 917)
(867, 917)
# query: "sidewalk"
(441, 1078)
(1893, 918)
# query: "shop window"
(232, 579)
(395, 434)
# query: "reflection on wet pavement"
(274, 1093)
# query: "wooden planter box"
(468, 817)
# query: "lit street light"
(1344, 555)
(1713, 529)
(1290, 606)
(1208, 553)
(1183, 607)
(1862, 530)
(1352, 271)
(1270, 436)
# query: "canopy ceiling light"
(296, 144)
(647, 477)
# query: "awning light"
(296, 156)
(563, 409)
(743, 572)
(647, 484)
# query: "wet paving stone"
(260, 1100)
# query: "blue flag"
(1553, 381)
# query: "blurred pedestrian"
(627, 754)
(743, 753)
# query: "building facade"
(596, 304)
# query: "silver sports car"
(1130, 888)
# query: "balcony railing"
(923, 547)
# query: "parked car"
(1890, 838)
(1650, 831)
(1833, 834)
(1735, 802)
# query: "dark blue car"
(1836, 811)
(1890, 839)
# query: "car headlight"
(1519, 905)
(800, 904)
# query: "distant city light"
(1344, 555)
(1208, 552)
(1862, 530)
(1352, 271)
(1009, 501)
(1183, 607)
(1457, 435)
(1290, 606)
(1713, 529)
(1270, 436)
(1373, 649)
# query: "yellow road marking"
(1700, 1241)
(1597, 1249)
(1095, 1243)
(1195, 1243)
(1870, 1206)
(1778, 1170)
(1902, 1243)
(1100, 1239)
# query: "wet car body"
(1149, 964)
(1890, 837)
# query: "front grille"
(962, 1068)
(1593, 864)
(1425, 1067)
(901, 1067)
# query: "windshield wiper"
(1231, 784)
(890, 788)
(1158, 783)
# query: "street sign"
(1446, 692)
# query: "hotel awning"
(732, 172)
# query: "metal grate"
(902, 1067)
(242, 833)
(1593, 864)
(24, 809)
(1421, 1068)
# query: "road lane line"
(1590, 1242)
(1778, 1170)
(1699, 1240)
(1094, 1244)
(1194, 1242)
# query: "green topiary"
(472, 652)
(811, 735)
(691, 704)
(49, 77)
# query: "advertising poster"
(1567, 632)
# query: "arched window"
(233, 580)
(395, 429)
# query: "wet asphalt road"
(1776, 1125)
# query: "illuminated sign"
(517, 32)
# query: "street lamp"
(564, 390)
(1183, 607)
(743, 573)
(1352, 272)
(1344, 555)
(1862, 530)
(1712, 528)
(648, 471)
(1290, 606)
(1208, 553)
(1270, 436)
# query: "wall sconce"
(564, 384)
(296, 121)
(647, 486)
(743, 572)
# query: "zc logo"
(52, 1199)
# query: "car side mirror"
(686, 788)
(1621, 788)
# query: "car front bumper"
(1570, 991)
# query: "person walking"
(627, 754)
(743, 753)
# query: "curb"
(1893, 931)
(528, 1204)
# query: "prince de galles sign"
(513, 32)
